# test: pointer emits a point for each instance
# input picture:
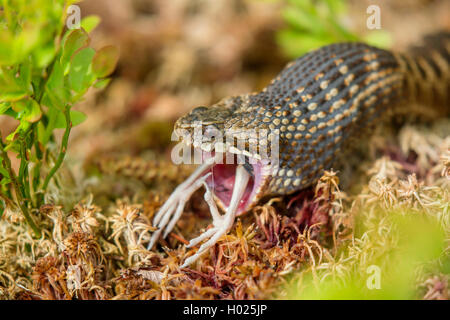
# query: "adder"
(313, 109)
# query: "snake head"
(213, 131)
(202, 126)
(213, 115)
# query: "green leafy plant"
(400, 244)
(44, 71)
(315, 23)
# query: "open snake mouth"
(235, 178)
(225, 154)
(223, 178)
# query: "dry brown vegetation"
(95, 248)
(93, 253)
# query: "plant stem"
(15, 183)
(63, 149)
(23, 170)
(36, 175)
(2, 208)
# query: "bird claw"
(173, 208)
(222, 223)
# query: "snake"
(281, 140)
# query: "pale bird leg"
(177, 200)
(208, 233)
(181, 188)
(212, 205)
(221, 223)
(182, 199)
(215, 214)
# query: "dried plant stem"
(17, 189)
(63, 149)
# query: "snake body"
(323, 100)
(315, 107)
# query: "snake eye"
(211, 131)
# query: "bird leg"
(174, 206)
(221, 223)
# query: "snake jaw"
(222, 182)
(209, 142)
(235, 186)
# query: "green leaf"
(4, 173)
(340, 33)
(336, 6)
(105, 61)
(13, 96)
(75, 41)
(45, 133)
(4, 182)
(16, 46)
(295, 44)
(19, 106)
(41, 133)
(52, 101)
(11, 88)
(44, 56)
(76, 117)
(89, 23)
(25, 70)
(26, 41)
(4, 106)
(22, 127)
(379, 38)
(56, 79)
(312, 24)
(6, 45)
(80, 77)
(11, 113)
(14, 145)
(102, 83)
(56, 94)
(33, 111)
(301, 20)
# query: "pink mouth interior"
(222, 183)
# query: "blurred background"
(178, 54)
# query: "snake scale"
(317, 105)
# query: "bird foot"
(172, 209)
(222, 223)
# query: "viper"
(281, 140)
